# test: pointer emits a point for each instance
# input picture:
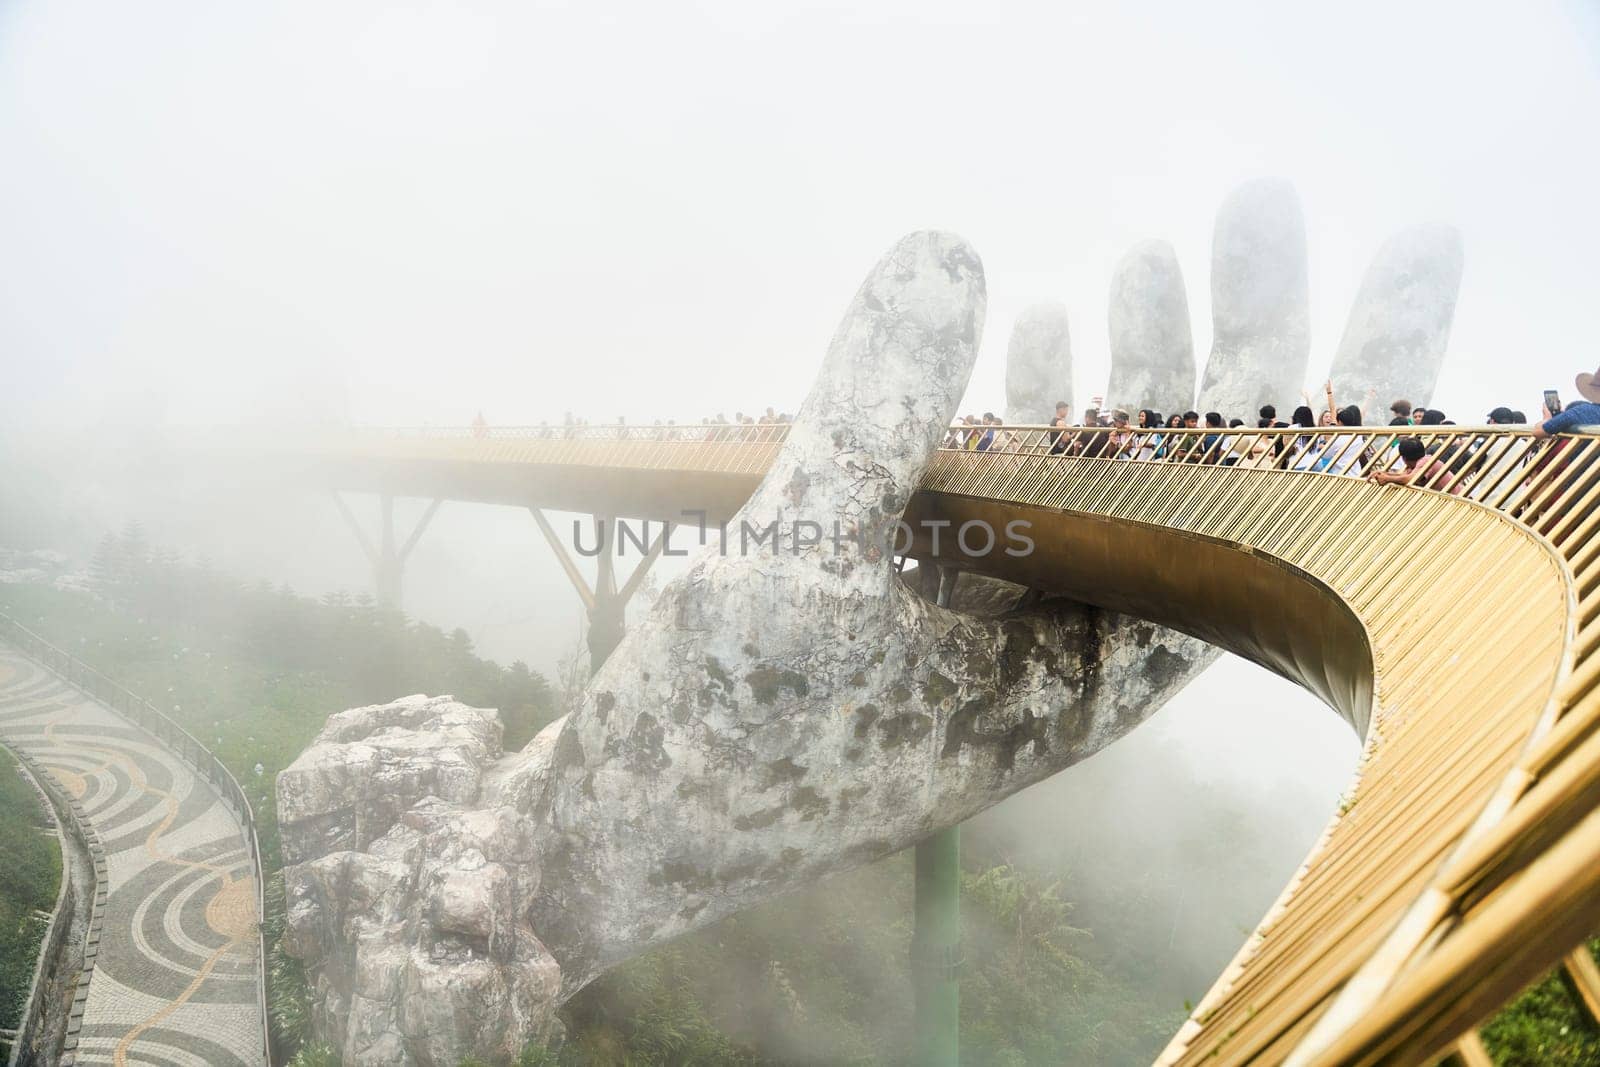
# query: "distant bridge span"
(1456, 632)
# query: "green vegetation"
(30, 876)
(1545, 1027)
(1062, 965)
(823, 976)
(253, 672)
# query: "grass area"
(1547, 1026)
(30, 876)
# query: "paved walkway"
(176, 978)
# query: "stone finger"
(1399, 327)
(1260, 301)
(1152, 346)
(1038, 365)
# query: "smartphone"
(1552, 401)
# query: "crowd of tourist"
(712, 427)
(1387, 455)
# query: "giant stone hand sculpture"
(774, 718)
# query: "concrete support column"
(936, 933)
(605, 606)
(388, 562)
(387, 568)
(607, 621)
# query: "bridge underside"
(1248, 603)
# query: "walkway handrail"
(181, 743)
(33, 1012)
(1503, 467)
(1483, 462)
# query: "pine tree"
(135, 550)
(105, 566)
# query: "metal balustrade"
(25, 1040)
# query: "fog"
(408, 213)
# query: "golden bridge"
(1453, 624)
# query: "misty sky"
(408, 211)
(405, 212)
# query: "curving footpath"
(176, 979)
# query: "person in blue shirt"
(986, 442)
(1575, 417)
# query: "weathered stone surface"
(368, 765)
(1395, 339)
(1260, 300)
(419, 947)
(1152, 346)
(1038, 365)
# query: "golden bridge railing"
(1484, 463)
(1466, 860)
(1425, 906)
(707, 449)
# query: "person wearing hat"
(1582, 417)
(1503, 416)
(1121, 437)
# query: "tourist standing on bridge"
(1150, 440)
(1089, 443)
(986, 438)
(1119, 442)
(1344, 454)
(1211, 443)
(1186, 447)
(1167, 443)
(1059, 422)
(1582, 417)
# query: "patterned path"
(175, 982)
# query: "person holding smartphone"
(1582, 417)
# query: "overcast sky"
(414, 210)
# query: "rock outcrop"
(369, 765)
(407, 899)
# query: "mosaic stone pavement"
(176, 979)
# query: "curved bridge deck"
(1456, 631)
(176, 979)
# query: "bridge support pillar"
(936, 933)
(605, 605)
(388, 562)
